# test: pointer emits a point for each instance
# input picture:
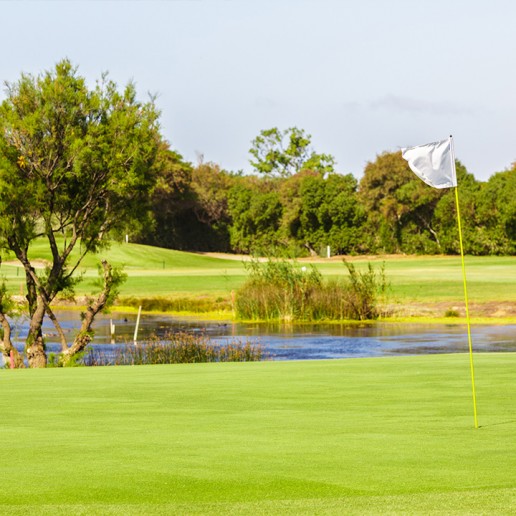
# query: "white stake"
(137, 325)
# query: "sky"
(360, 76)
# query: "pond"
(292, 342)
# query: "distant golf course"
(361, 436)
(423, 286)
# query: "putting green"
(378, 435)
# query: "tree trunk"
(84, 336)
(6, 345)
(35, 347)
(57, 326)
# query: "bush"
(282, 290)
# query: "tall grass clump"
(282, 290)
(177, 348)
(276, 289)
(178, 304)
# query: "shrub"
(276, 289)
(281, 290)
(364, 289)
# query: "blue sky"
(360, 76)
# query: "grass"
(362, 436)
(177, 348)
(285, 291)
(154, 272)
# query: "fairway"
(381, 435)
(415, 282)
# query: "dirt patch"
(491, 309)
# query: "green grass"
(163, 272)
(382, 435)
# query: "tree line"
(295, 204)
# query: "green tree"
(75, 164)
(255, 209)
(445, 215)
(284, 153)
(400, 207)
(172, 202)
(329, 213)
(211, 186)
(496, 214)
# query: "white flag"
(433, 163)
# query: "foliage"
(445, 215)
(399, 207)
(76, 360)
(256, 217)
(364, 289)
(496, 214)
(75, 165)
(284, 153)
(298, 205)
(197, 304)
(282, 290)
(176, 348)
(329, 213)
(189, 205)
(276, 289)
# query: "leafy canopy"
(74, 162)
(284, 153)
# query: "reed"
(198, 304)
(177, 348)
(283, 290)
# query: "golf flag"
(434, 163)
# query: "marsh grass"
(282, 290)
(201, 304)
(177, 348)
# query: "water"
(292, 342)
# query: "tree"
(496, 213)
(445, 215)
(400, 207)
(322, 210)
(189, 206)
(172, 202)
(255, 209)
(75, 165)
(284, 153)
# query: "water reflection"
(293, 342)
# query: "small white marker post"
(112, 330)
(328, 251)
(137, 325)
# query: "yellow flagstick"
(466, 299)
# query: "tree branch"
(57, 326)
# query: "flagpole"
(465, 291)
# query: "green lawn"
(377, 435)
(163, 272)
